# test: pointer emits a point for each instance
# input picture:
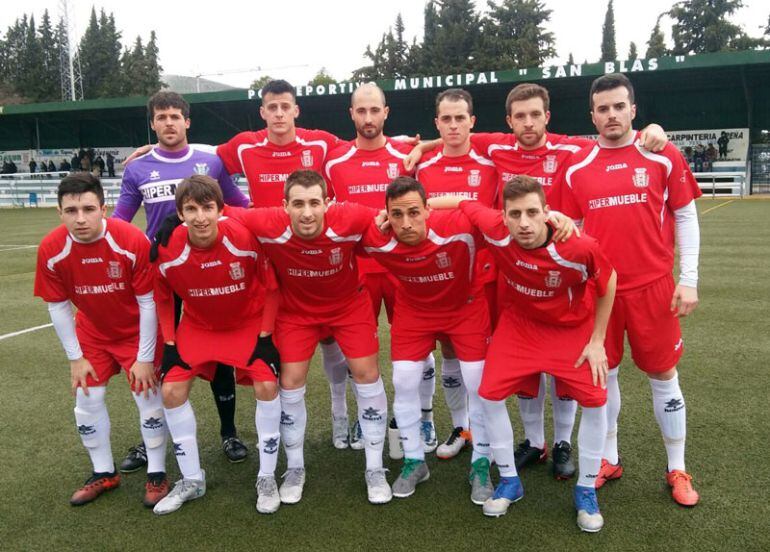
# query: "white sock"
(670, 411)
(183, 430)
(591, 433)
(406, 406)
(152, 424)
(373, 417)
(472, 377)
(533, 416)
(500, 434)
(428, 388)
(267, 418)
(336, 368)
(93, 424)
(293, 422)
(564, 411)
(613, 412)
(455, 394)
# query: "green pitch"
(724, 378)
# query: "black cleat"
(563, 466)
(525, 455)
(135, 460)
(234, 449)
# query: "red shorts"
(414, 332)
(653, 330)
(108, 357)
(258, 371)
(352, 326)
(523, 348)
(381, 287)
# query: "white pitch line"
(14, 334)
(15, 247)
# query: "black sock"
(223, 388)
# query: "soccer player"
(311, 245)
(638, 204)
(101, 266)
(548, 325)
(151, 180)
(215, 265)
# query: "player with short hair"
(638, 204)
(151, 180)
(217, 269)
(102, 267)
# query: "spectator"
(51, 166)
(99, 165)
(33, 165)
(12, 169)
(110, 165)
(65, 166)
(711, 156)
(699, 157)
(75, 163)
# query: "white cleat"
(377, 487)
(340, 438)
(453, 445)
(184, 490)
(292, 486)
(268, 499)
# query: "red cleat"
(155, 489)
(608, 472)
(681, 488)
(97, 484)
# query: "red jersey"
(547, 283)
(547, 163)
(220, 286)
(626, 197)
(267, 166)
(101, 278)
(471, 176)
(317, 276)
(437, 273)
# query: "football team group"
(523, 254)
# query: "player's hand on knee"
(163, 234)
(596, 356)
(684, 301)
(142, 378)
(266, 351)
(80, 369)
(653, 138)
(171, 358)
(563, 226)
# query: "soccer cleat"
(377, 487)
(608, 472)
(428, 433)
(292, 486)
(563, 467)
(184, 490)
(681, 488)
(135, 460)
(395, 450)
(508, 491)
(525, 455)
(234, 449)
(454, 444)
(268, 499)
(340, 432)
(481, 482)
(94, 487)
(356, 436)
(412, 473)
(589, 518)
(155, 489)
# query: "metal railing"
(731, 184)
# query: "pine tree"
(656, 45)
(632, 53)
(152, 82)
(609, 52)
(89, 48)
(134, 69)
(570, 59)
(322, 77)
(50, 82)
(702, 26)
(31, 64)
(260, 82)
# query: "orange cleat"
(608, 472)
(97, 484)
(681, 488)
(155, 489)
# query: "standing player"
(101, 266)
(638, 204)
(311, 245)
(213, 265)
(151, 180)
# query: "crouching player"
(560, 297)
(101, 266)
(215, 265)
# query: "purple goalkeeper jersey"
(152, 178)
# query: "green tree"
(632, 53)
(449, 46)
(702, 26)
(260, 82)
(609, 51)
(153, 69)
(133, 69)
(50, 82)
(571, 59)
(99, 53)
(389, 58)
(656, 45)
(30, 64)
(322, 77)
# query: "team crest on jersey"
(553, 280)
(641, 178)
(236, 271)
(201, 168)
(335, 256)
(549, 165)
(114, 270)
(443, 260)
(307, 158)
(392, 170)
(474, 178)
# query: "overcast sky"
(292, 39)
